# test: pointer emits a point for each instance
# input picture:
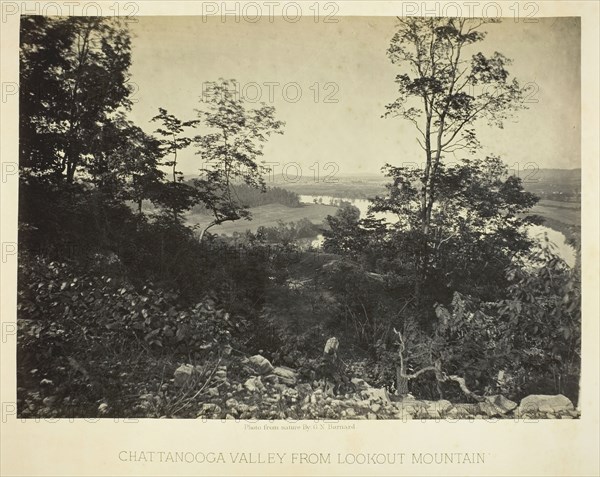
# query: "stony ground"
(262, 391)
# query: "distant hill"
(562, 185)
(554, 184)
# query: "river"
(558, 239)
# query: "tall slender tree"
(230, 149)
(445, 86)
(172, 140)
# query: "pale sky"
(173, 56)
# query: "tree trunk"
(205, 229)
(401, 378)
(401, 382)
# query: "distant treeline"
(251, 197)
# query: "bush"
(96, 337)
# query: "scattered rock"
(430, 413)
(221, 374)
(545, 403)
(286, 375)
(209, 408)
(497, 405)
(304, 389)
(290, 392)
(260, 364)
(254, 384)
(464, 410)
(359, 384)
(184, 374)
(271, 379)
(231, 403)
(376, 394)
(49, 401)
(443, 406)
(286, 381)
(213, 392)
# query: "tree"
(172, 141)
(543, 311)
(443, 94)
(73, 80)
(125, 163)
(344, 235)
(230, 149)
(178, 195)
(476, 227)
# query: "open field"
(560, 204)
(565, 212)
(268, 216)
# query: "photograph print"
(350, 218)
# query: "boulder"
(271, 379)
(254, 384)
(260, 364)
(221, 374)
(304, 389)
(290, 392)
(544, 403)
(376, 394)
(466, 409)
(214, 392)
(332, 345)
(49, 401)
(286, 375)
(209, 408)
(360, 384)
(429, 413)
(184, 374)
(444, 405)
(497, 405)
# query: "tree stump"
(331, 366)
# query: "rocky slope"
(259, 390)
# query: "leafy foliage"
(443, 95)
(248, 196)
(73, 80)
(82, 330)
(229, 148)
